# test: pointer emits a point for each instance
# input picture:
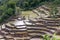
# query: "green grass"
(47, 37)
(29, 13)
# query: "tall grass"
(47, 37)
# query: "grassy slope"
(29, 13)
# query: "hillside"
(29, 19)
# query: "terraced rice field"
(31, 29)
(29, 14)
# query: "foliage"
(56, 2)
(8, 7)
(7, 10)
(54, 12)
(30, 4)
(47, 37)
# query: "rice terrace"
(29, 19)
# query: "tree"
(10, 12)
(56, 2)
(28, 4)
(7, 10)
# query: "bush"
(10, 12)
(7, 10)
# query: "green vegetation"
(8, 7)
(53, 12)
(7, 10)
(29, 13)
(30, 4)
(47, 37)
